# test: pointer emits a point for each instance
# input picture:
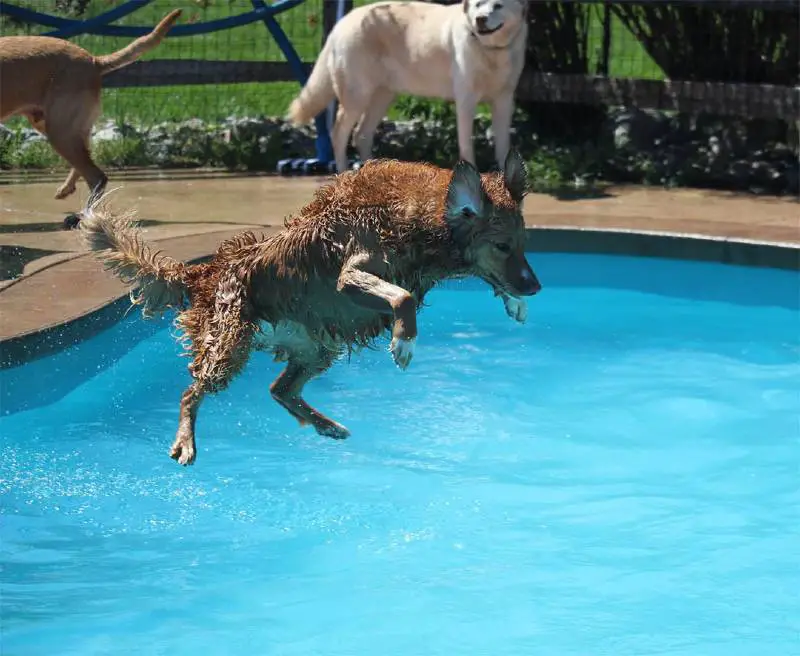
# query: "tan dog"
(472, 52)
(56, 85)
(356, 261)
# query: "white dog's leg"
(502, 113)
(365, 132)
(466, 103)
(346, 120)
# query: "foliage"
(558, 39)
(713, 43)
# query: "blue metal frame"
(99, 25)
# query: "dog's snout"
(524, 279)
(480, 22)
(530, 283)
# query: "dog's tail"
(318, 91)
(137, 48)
(159, 282)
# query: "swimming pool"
(617, 476)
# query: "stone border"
(18, 350)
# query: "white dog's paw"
(516, 308)
(402, 351)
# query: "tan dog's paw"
(516, 308)
(183, 450)
(402, 351)
(64, 190)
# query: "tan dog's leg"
(69, 120)
(369, 291)
(74, 148)
(365, 132)
(69, 185)
(287, 389)
(36, 119)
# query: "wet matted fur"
(353, 263)
(56, 85)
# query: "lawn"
(303, 24)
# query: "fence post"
(606, 52)
(332, 12)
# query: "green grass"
(151, 105)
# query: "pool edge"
(35, 344)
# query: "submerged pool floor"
(618, 476)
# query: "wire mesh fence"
(147, 104)
(723, 77)
(681, 40)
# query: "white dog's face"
(494, 19)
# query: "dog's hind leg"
(364, 136)
(221, 349)
(36, 119)
(346, 120)
(287, 389)
(183, 449)
(69, 185)
(69, 129)
(213, 368)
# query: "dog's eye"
(503, 248)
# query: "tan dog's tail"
(159, 280)
(136, 49)
(317, 93)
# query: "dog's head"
(484, 214)
(495, 22)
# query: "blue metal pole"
(323, 142)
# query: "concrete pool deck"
(48, 281)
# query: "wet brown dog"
(356, 261)
(56, 85)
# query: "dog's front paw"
(402, 351)
(183, 450)
(516, 308)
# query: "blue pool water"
(619, 476)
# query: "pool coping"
(30, 345)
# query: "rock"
(109, 131)
(637, 129)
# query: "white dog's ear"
(515, 174)
(466, 201)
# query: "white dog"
(473, 52)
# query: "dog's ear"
(515, 174)
(466, 201)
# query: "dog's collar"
(477, 37)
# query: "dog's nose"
(480, 22)
(530, 283)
